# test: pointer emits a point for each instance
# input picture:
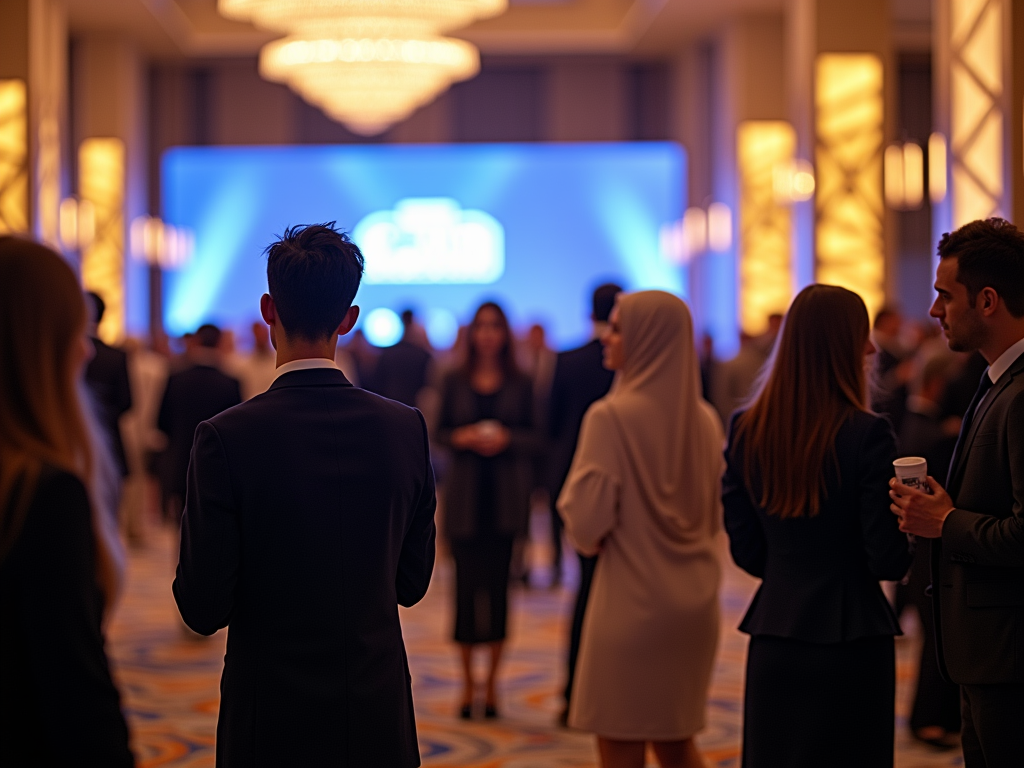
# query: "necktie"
(965, 427)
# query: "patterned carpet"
(170, 681)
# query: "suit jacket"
(401, 372)
(513, 469)
(309, 519)
(107, 377)
(58, 705)
(978, 564)
(579, 381)
(820, 574)
(192, 396)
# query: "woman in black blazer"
(806, 509)
(59, 553)
(487, 419)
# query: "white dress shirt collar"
(1003, 363)
(306, 364)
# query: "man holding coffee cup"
(977, 527)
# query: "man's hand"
(920, 513)
(493, 442)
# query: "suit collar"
(311, 377)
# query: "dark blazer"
(978, 564)
(513, 471)
(580, 380)
(192, 396)
(820, 574)
(309, 519)
(401, 372)
(107, 377)
(58, 705)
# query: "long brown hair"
(815, 382)
(44, 419)
(508, 353)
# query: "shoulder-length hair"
(815, 381)
(509, 366)
(44, 417)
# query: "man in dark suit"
(309, 519)
(977, 527)
(193, 395)
(580, 379)
(402, 368)
(107, 377)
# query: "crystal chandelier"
(366, 63)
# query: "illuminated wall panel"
(977, 119)
(13, 156)
(849, 127)
(101, 182)
(764, 147)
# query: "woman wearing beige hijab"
(644, 491)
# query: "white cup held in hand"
(912, 471)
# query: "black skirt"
(481, 588)
(811, 704)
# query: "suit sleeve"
(589, 502)
(60, 608)
(416, 562)
(527, 438)
(887, 548)
(747, 542)
(990, 540)
(208, 561)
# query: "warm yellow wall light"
(849, 110)
(101, 184)
(976, 109)
(763, 147)
(13, 156)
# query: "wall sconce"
(160, 245)
(904, 176)
(793, 182)
(76, 224)
(937, 168)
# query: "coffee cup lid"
(909, 461)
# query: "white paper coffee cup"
(912, 471)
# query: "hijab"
(670, 436)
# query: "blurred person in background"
(364, 357)
(735, 379)
(644, 491)
(193, 395)
(708, 365)
(579, 380)
(893, 367)
(61, 562)
(805, 508)
(935, 717)
(487, 421)
(402, 368)
(107, 376)
(256, 370)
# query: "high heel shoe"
(490, 711)
(466, 712)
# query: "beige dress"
(644, 491)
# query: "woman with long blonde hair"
(61, 563)
(807, 512)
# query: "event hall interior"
(523, 152)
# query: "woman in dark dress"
(60, 559)
(487, 420)
(807, 511)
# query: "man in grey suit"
(977, 527)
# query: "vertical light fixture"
(937, 168)
(13, 156)
(101, 185)
(977, 108)
(849, 125)
(765, 153)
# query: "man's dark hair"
(884, 314)
(407, 317)
(208, 336)
(98, 306)
(604, 301)
(990, 254)
(313, 273)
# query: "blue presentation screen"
(442, 227)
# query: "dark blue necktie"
(965, 426)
